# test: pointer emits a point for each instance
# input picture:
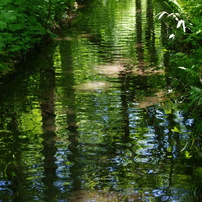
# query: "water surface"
(90, 114)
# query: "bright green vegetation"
(24, 23)
(184, 30)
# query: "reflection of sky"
(146, 135)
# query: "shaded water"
(87, 118)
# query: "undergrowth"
(184, 34)
(24, 23)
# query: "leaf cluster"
(184, 31)
(23, 24)
(196, 96)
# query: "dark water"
(87, 118)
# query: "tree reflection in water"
(88, 119)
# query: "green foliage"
(196, 96)
(23, 24)
(184, 31)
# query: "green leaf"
(188, 155)
(8, 16)
(168, 111)
(15, 27)
(3, 25)
(176, 130)
(5, 2)
(1, 45)
(196, 96)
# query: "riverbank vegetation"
(24, 23)
(183, 36)
(184, 39)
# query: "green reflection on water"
(79, 116)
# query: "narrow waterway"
(89, 117)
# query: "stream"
(90, 117)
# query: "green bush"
(185, 38)
(23, 23)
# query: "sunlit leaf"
(182, 68)
(168, 111)
(174, 15)
(176, 130)
(187, 155)
(162, 14)
(172, 36)
(181, 23)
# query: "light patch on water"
(93, 86)
(148, 101)
(102, 196)
(142, 70)
(110, 70)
